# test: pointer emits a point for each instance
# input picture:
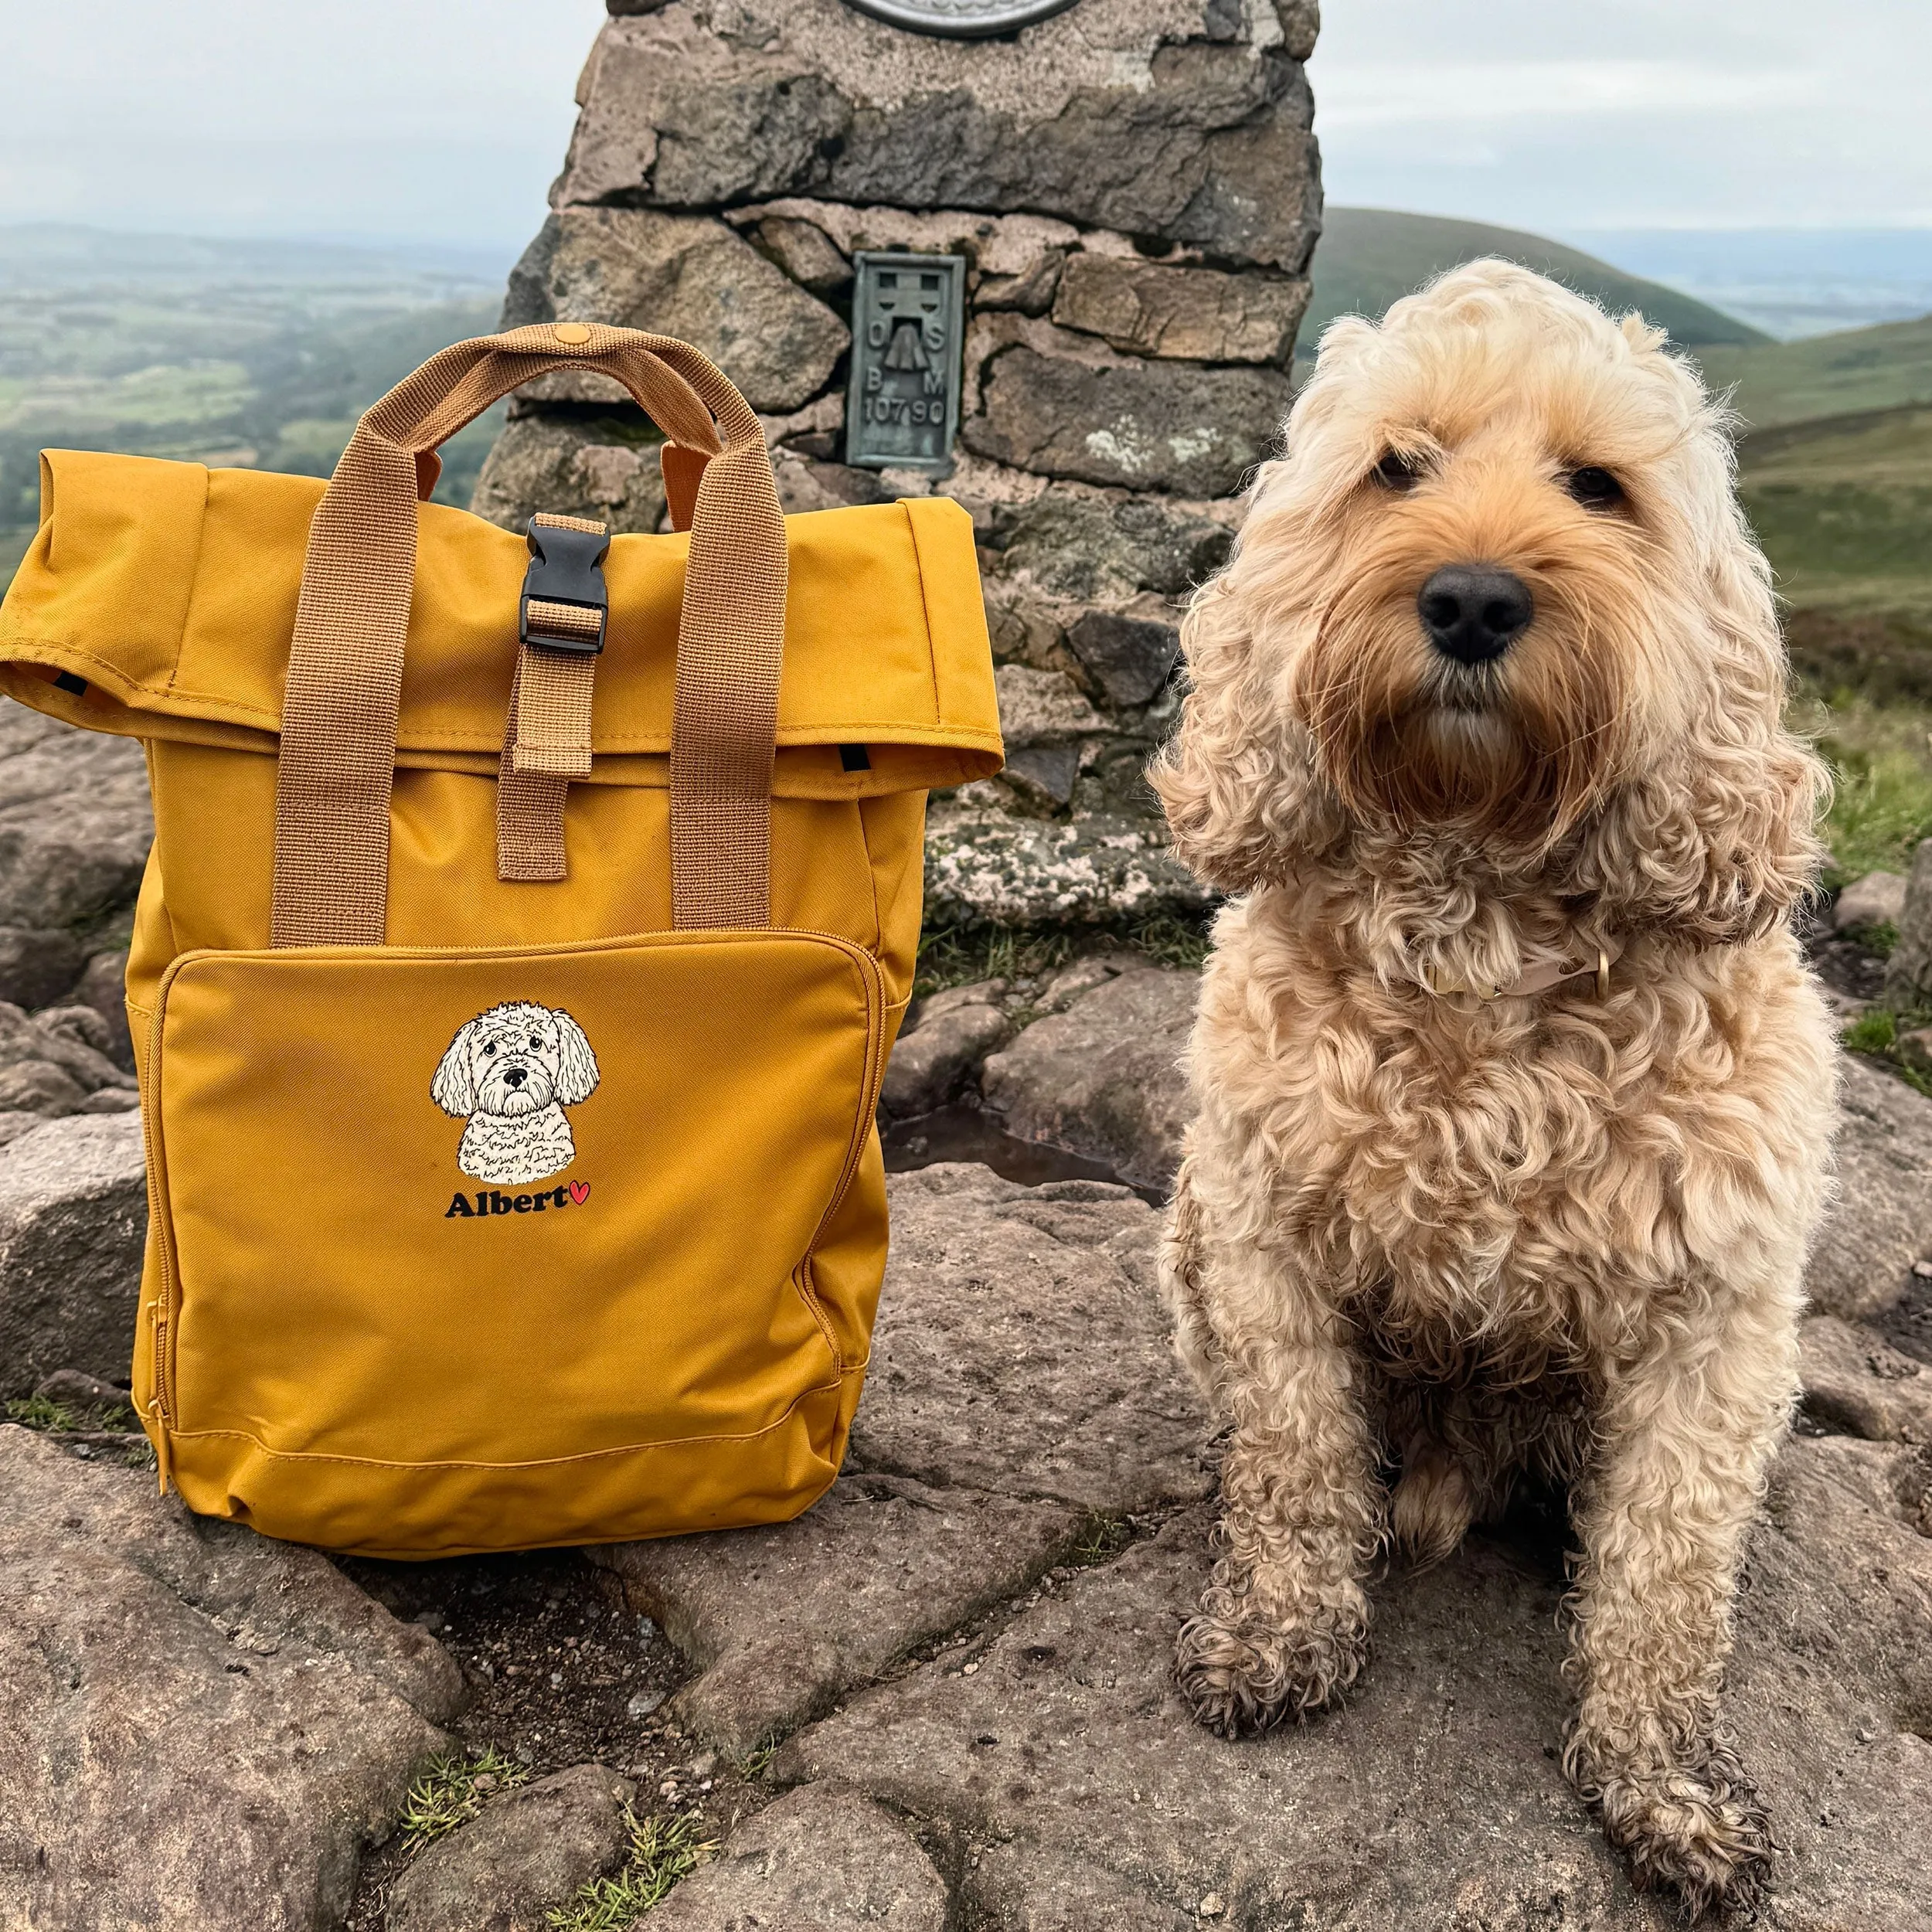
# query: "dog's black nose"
(1474, 612)
(514, 1076)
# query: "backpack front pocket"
(464, 1248)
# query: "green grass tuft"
(1881, 761)
(1873, 1033)
(964, 955)
(41, 1412)
(451, 1793)
(1879, 938)
(1103, 1536)
(663, 1851)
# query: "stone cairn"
(1131, 189)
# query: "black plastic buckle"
(565, 567)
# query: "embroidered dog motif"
(512, 1071)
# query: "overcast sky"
(1569, 114)
(424, 120)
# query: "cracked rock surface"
(819, 1860)
(201, 1729)
(1021, 1386)
(528, 1852)
(1076, 1790)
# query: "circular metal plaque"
(961, 20)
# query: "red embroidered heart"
(580, 1192)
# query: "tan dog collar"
(1538, 979)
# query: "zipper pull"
(164, 1453)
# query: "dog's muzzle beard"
(1512, 751)
(517, 1088)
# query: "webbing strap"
(546, 736)
(341, 703)
(530, 805)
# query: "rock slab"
(1076, 1791)
(202, 1729)
(74, 1221)
(1021, 1386)
(75, 823)
(818, 1860)
(1882, 1220)
(528, 1851)
(1103, 1078)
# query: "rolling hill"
(1368, 257)
(233, 352)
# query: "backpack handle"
(336, 766)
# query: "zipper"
(874, 1053)
(161, 1403)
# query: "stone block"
(37, 966)
(805, 252)
(1130, 657)
(931, 1064)
(688, 276)
(1876, 899)
(572, 468)
(982, 865)
(1199, 314)
(75, 823)
(1021, 1347)
(780, 1622)
(1855, 1381)
(1085, 1794)
(1042, 708)
(1106, 546)
(1144, 116)
(1908, 971)
(104, 987)
(1881, 1222)
(819, 1860)
(1182, 427)
(58, 1053)
(74, 1221)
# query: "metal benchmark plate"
(962, 19)
(902, 401)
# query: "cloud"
(1414, 97)
(1556, 115)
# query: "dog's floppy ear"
(1721, 841)
(453, 1086)
(577, 1066)
(1237, 779)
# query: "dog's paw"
(1240, 1677)
(1698, 1830)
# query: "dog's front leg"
(1687, 1433)
(1283, 1626)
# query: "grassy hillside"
(1855, 372)
(246, 353)
(1836, 467)
(1368, 257)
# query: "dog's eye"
(489, 1046)
(1397, 470)
(536, 1040)
(1595, 489)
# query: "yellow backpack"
(526, 930)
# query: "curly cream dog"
(512, 1071)
(1514, 1095)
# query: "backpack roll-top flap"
(169, 591)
